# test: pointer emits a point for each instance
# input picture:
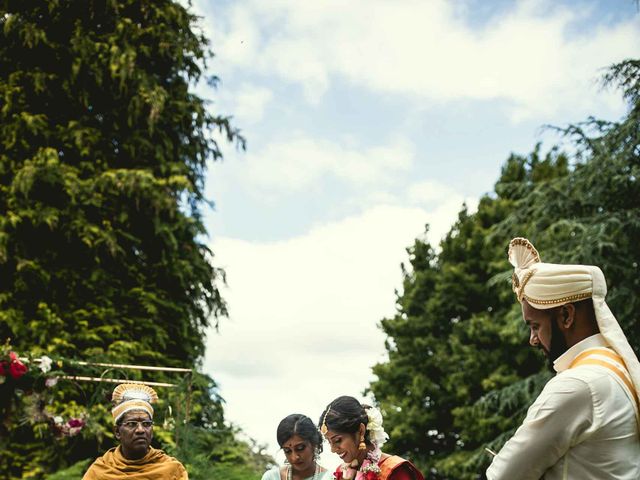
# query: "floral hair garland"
(369, 469)
(377, 435)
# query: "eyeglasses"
(132, 424)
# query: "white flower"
(377, 435)
(51, 381)
(58, 420)
(45, 364)
(375, 419)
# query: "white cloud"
(304, 311)
(439, 202)
(298, 164)
(528, 56)
(443, 204)
(427, 192)
(249, 103)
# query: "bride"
(355, 434)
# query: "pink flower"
(337, 475)
(75, 423)
(51, 381)
(70, 428)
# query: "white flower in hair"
(377, 435)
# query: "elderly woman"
(355, 434)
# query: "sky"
(365, 121)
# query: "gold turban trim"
(132, 396)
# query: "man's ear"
(116, 432)
(567, 316)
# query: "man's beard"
(558, 343)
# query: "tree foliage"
(103, 152)
(459, 376)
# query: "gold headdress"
(132, 396)
(547, 285)
(522, 255)
(323, 428)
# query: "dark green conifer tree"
(446, 337)
(103, 154)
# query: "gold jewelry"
(362, 446)
(518, 287)
(323, 428)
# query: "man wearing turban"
(134, 458)
(585, 423)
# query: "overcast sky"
(366, 120)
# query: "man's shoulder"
(161, 456)
(591, 377)
(570, 379)
(106, 457)
(562, 392)
(100, 465)
(577, 385)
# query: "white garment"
(582, 426)
(274, 474)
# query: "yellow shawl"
(155, 465)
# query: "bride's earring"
(362, 446)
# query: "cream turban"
(132, 396)
(548, 285)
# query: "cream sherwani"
(581, 427)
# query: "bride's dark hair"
(344, 415)
(301, 425)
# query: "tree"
(459, 377)
(103, 153)
(448, 298)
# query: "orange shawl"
(155, 465)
